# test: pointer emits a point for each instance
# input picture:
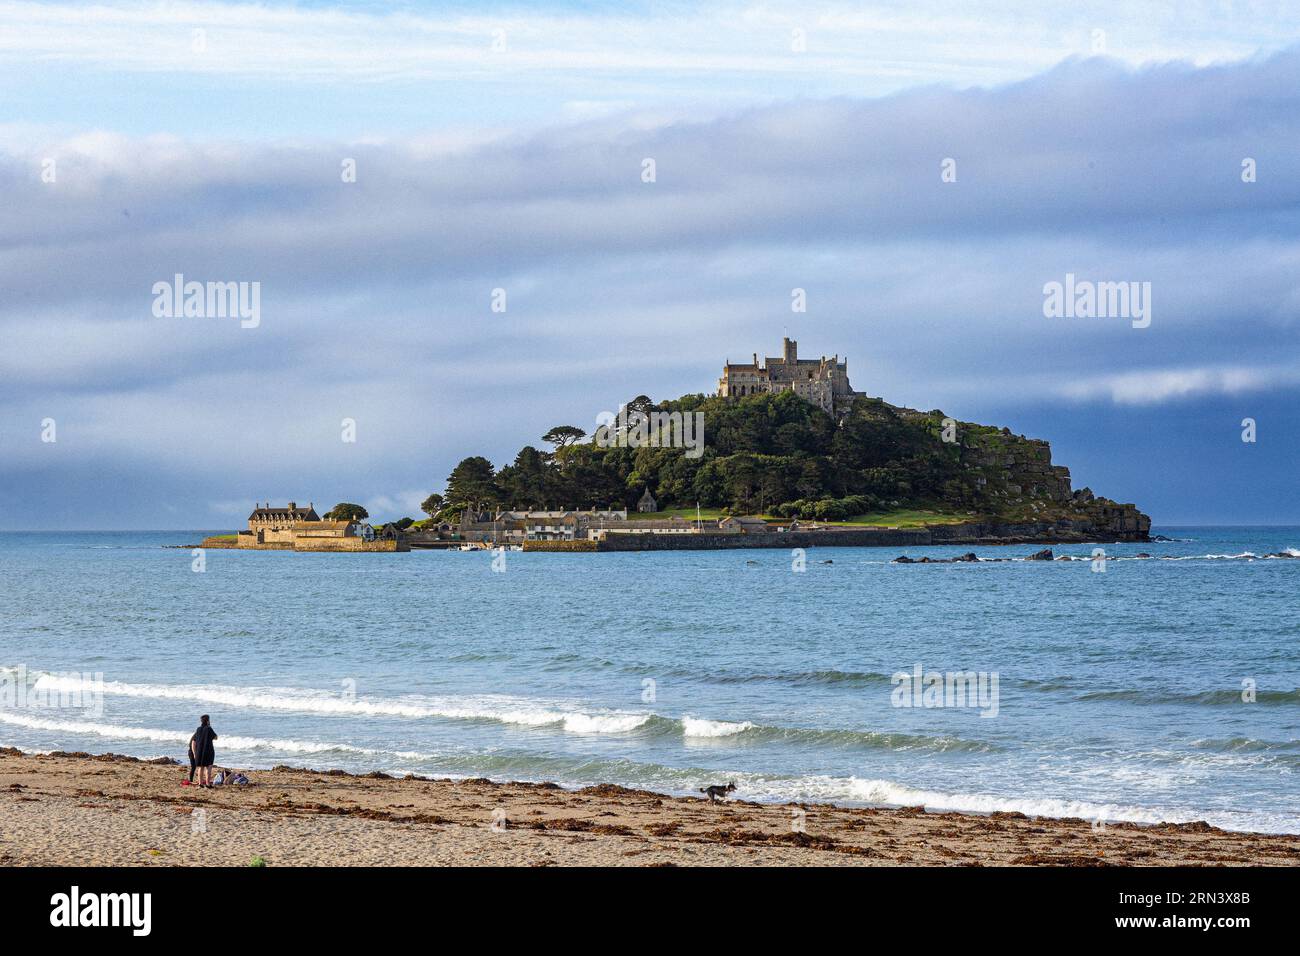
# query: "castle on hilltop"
(823, 382)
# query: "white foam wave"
(269, 698)
(893, 794)
(297, 700)
(699, 727)
(817, 788)
(603, 723)
(181, 738)
(880, 792)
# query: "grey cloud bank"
(375, 294)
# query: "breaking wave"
(296, 700)
(576, 772)
(181, 738)
(698, 727)
(517, 712)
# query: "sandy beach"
(108, 810)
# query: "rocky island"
(785, 454)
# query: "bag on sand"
(219, 779)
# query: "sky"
(920, 172)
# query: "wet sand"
(106, 810)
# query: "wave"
(604, 723)
(1247, 745)
(1286, 554)
(181, 738)
(297, 700)
(889, 793)
(754, 786)
(1216, 697)
(698, 727)
(828, 677)
(579, 772)
(575, 719)
(524, 713)
(843, 739)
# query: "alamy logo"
(922, 688)
(208, 300)
(53, 691)
(1084, 299)
(631, 428)
(103, 909)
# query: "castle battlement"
(823, 382)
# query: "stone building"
(301, 529)
(744, 524)
(305, 530)
(266, 518)
(647, 504)
(513, 527)
(823, 382)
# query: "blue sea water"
(1119, 693)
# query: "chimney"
(292, 505)
(755, 360)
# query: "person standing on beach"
(202, 751)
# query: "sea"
(1112, 687)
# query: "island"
(784, 454)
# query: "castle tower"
(823, 382)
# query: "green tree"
(528, 481)
(562, 436)
(432, 504)
(472, 483)
(641, 405)
(346, 511)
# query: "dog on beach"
(716, 792)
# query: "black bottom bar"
(202, 907)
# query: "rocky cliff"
(1012, 480)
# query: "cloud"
(893, 42)
(1153, 386)
(398, 505)
(376, 294)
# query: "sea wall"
(350, 545)
(248, 542)
(1057, 532)
(1096, 520)
(578, 544)
(864, 537)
